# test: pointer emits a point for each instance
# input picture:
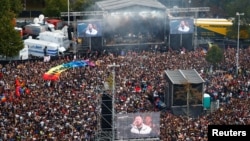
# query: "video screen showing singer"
(91, 30)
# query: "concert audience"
(69, 109)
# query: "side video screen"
(89, 29)
(138, 125)
(181, 26)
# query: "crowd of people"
(69, 109)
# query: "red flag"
(27, 91)
(17, 82)
(18, 91)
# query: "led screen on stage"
(138, 125)
(181, 26)
(89, 29)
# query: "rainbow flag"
(54, 73)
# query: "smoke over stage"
(134, 28)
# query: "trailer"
(36, 48)
(55, 37)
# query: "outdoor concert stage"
(126, 24)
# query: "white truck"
(55, 37)
(36, 48)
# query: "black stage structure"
(184, 92)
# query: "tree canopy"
(228, 9)
(11, 42)
(214, 55)
(54, 7)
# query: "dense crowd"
(69, 109)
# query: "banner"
(54, 73)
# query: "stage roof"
(108, 5)
(184, 76)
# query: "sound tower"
(106, 112)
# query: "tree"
(188, 94)
(82, 5)
(11, 42)
(16, 6)
(214, 55)
(53, 8)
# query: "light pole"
(238, 38)
(68, 13)
(113, 99)
(189, 2)
(24, 7)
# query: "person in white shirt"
(138, 127)
(91, 30)
(183, 27)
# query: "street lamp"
(68, 12)
(238, 38)
(24, 5)
(189, 2)
(113, 99)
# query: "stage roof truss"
(192, 9)
(108, 5)
(85, 13)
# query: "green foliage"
(81, 5)
(11, 42)
(16, 6)
(214, 55)
(53, 8)
(241, 6)
(233, 6)
(229, 8)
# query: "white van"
(36, 47)
(55, 37)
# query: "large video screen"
(91, 28)
(181, 26)
(138, 125)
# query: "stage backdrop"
(124, 126)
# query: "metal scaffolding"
(185, 10)
(85, 13)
